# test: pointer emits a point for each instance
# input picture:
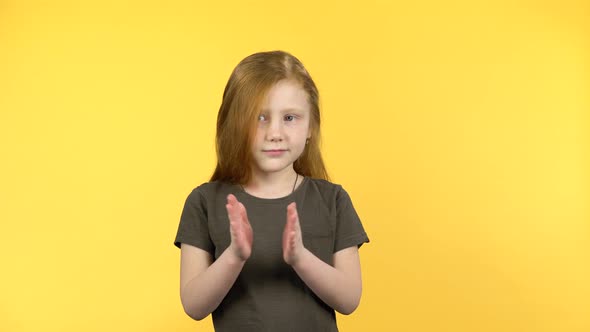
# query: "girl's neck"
(273, 185)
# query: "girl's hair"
(243, 96)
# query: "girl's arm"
(204, 283)
(339, 286)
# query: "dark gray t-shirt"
(268, 295)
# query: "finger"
(289, 222)
(292, 208)
(230, 202)
(233, 214)
(234, 227)
(292, 216)
(288, 241)
(230, 210)
(243, 213)
(293, 239)
(287, 232)
(231, 198)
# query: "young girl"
(269, 244)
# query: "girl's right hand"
(239, 228)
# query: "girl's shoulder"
(208, 190)
(325, 186)
(214, 186)
(327, 191)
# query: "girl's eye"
(261, 117)
(289, 117)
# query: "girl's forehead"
(286, 95)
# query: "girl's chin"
(273, 168)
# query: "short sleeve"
(193, 228)
(349, 229)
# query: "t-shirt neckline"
(289, 197)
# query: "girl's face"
(283, 128)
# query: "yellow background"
(460, 129)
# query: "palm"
(292, 239)
(240, 229)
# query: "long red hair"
(243, 96)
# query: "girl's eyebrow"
(285, 110)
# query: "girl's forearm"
(340, 291)
(203, 293)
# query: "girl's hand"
(239, 228)
(292, 238)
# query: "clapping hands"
(242, 237)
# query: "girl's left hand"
(292, 238)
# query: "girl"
(269, 244)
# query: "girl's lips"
(274, 153)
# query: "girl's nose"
(274, 131)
